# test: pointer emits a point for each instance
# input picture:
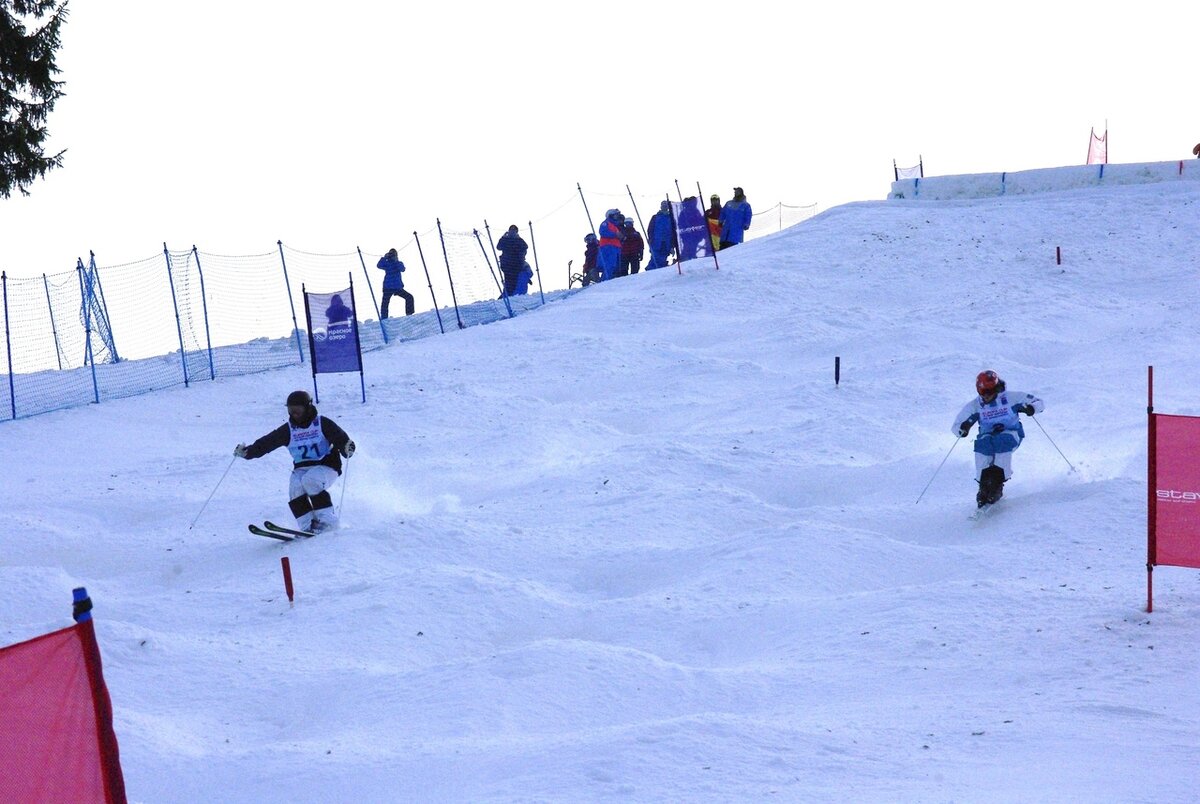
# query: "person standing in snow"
(661, 234)
(591, 253)
(393, 283)
(713, 216)
(610, 244)
(632, 248)
(512, 248)
(317, 446)
(735, 219)
(1000, 431)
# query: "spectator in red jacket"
(632, 248)
(591, 251)
(610, 243)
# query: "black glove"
(964, 429)
(1023, 408)
(997, 429)
(348, 449)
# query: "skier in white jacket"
(1000, 432)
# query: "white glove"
(348, 450)
(239, 451)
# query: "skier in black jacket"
(317, 446)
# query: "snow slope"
(639, 546)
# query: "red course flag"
(56, 736)
(1176, 515)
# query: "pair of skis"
(273, 531)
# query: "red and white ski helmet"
(987, 383)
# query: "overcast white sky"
(230, 125)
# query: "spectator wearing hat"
(610, 243)
(632, 249)
(393, 283)
(591, 252)
(735, 219)
(713, 216)
(661, 234)
(512, 250)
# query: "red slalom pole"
(287, 578)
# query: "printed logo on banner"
(692, 227)
(1172, 495)
(1176, 487)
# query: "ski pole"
(935, 471)
(1051, 440)
(214, 491)
(345, 480)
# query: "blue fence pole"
(536, 269)
(53, 326)
(362, 377)
(637, 212)
(110, 340)
(374, 303)
(585, 209)
(429, 281)
(12, 391)
(288, 284)
(449, 275)
(212, 371)
(85, 293)
(178, 325)
(312, 346)
(492, 271)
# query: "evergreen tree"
(29, 37)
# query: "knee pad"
(300, 506)
(321, 501)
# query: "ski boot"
(991, 486)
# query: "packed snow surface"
(639, 546)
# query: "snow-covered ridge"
(1042, 180)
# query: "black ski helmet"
(299, 398)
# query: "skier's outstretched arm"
(279, 437)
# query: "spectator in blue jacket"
(735, 219)
(393, 283)
(512, 250)
(661, 234)
(523, 279)
(610, 244)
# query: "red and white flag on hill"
(1098, 149)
